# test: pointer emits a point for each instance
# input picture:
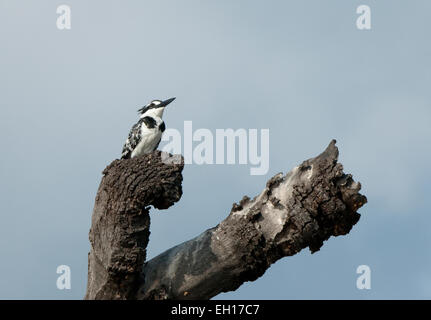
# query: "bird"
(145, 135)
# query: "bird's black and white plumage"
(146, 134)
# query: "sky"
(301, 69)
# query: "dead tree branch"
(303, 208)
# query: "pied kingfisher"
(146, 134)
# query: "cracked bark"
(301, 209)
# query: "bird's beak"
(166, 102)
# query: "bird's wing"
(162, 128)
(132, 141)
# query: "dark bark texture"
(301, 209)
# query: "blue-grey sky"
(300, 68)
